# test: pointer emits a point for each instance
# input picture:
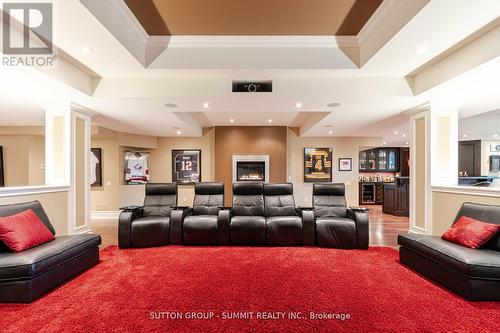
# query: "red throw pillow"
(23, 230)
(470, 233)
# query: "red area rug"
(158, 289)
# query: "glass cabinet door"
(391, 160)
(372, 160)
(382, 159)
(362, 160)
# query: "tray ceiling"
(253, 18)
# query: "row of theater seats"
(261, 214)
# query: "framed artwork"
(136, 167)
(345, 164)
(2, 179)
(186, 166)
(317, 165)
(494, 148)
(95, 167)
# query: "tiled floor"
(384, 228)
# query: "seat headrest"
(209, 188)
(278, 189)
(248, 188)
(161, 189)
(333, 189)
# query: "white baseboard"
(105, 215)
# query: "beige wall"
(55, 205)
(114, 194)
(161, 161)
(342, 147)
(105, 197)
(446, 205)
(485, 157)
(250, 140)
(23, 157)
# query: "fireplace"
(250, 171)
(251, 168)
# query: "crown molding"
(252, 41)
(374, 21)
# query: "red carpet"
(380, 295)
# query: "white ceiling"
(18, 111)
(484, 126)
(131, 98)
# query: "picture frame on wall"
(186, 166)
(95, 167)
(136, 168)
(494, 148)
(318, 165)
(345, 164)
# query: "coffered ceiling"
(253, 18)
(128, 76)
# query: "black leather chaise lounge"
(27, 275)
(473, 274)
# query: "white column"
(57, 142)
(444, 143)
(420, 172)
(434, 158)
(67, 149)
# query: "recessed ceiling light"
(421, 49)
(179, 132)
(87, 50)
(231, 120)
(171, 105)
(396, 132)
(206, 105)
(495, 135)
(298, 105)
(269, 120)
(330, 132)
(464, 136)
(404, 135)
(333, 105)
(407, 143)
(385, 143)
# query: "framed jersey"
(186, 166)
(317, 165)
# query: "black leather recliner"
(201, 225)
(150, 226)
(336, 225)
(473, 274)
(248, 224)
(27, 275)
(284, 222)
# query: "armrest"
(179, 207)
(176, 220)
(307, 227)
(362, 227)
(359, 209)
(125, 225)
(131, 208)
(223, 223)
